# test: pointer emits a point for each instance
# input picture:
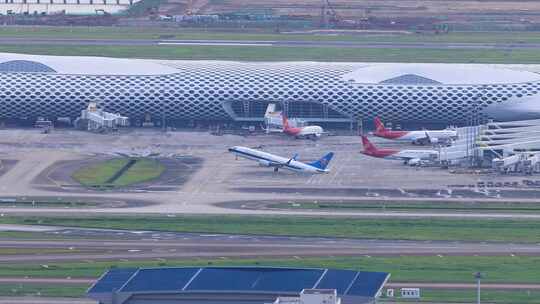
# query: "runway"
(265, 43)
(98, 244)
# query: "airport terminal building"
(34, 86)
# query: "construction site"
(408, 15)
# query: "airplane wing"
(293, 158)
(281, 164)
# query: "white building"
(71, 7)
(51, 86)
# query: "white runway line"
(215, 44)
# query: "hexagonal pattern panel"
(199, 89)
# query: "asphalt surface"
(89, 281)
(99, 244)
(282, 43)
(217, 184)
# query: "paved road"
(89, 281)
(289, 43)
(97, 244)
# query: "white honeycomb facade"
(223, 91)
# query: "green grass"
(428, 295)
(408, 206)
(15, 251)
(407, 229)
(457, 269)
(44, 290)
(259, 53)
(143, 170)
(469, 296)
(224, 34)
(98, 174)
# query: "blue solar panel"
(339, 280)
(367, 284)
(113, 280)
(25, 66)
(163, 279)
(410, 79)
(288, 280)
(255, 279)
(250, 279)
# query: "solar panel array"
(202, 90)
(240, 279)
(113, 280)
(25, 66)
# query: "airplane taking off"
(409, 157)
(312, 132)
(423, 137)
(273, 161)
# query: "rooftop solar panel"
(113, 280)
(339, 280)
(164, 279)
(288, 280)
(180, 281)
(367, 284)
(255, 279)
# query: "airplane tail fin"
(323, 162)
(285, 121)
(368, 146)
(379, 126)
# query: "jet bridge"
(95, 119)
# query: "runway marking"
(215, 44)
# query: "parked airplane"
(423, 137)
(312, 132)
(270, 160)
(409, 157)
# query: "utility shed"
(248, 285)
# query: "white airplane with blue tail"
(277, 162)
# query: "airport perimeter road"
(288, 43)
(98, 244)
(509, 286)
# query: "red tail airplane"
(410, 157)
(416, 137)
(307, 131)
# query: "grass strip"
(270, 53)
(524, 231)
(43, 290)
(97, 32)
(435, 269)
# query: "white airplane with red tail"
(423, 137)
(409, 157)
(312, 132)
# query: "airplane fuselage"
(270, 160)
(417, 136)
(308, 131)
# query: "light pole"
(478, 276)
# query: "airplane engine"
(264, 163)
(414, 162)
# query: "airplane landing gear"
(276, 169)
